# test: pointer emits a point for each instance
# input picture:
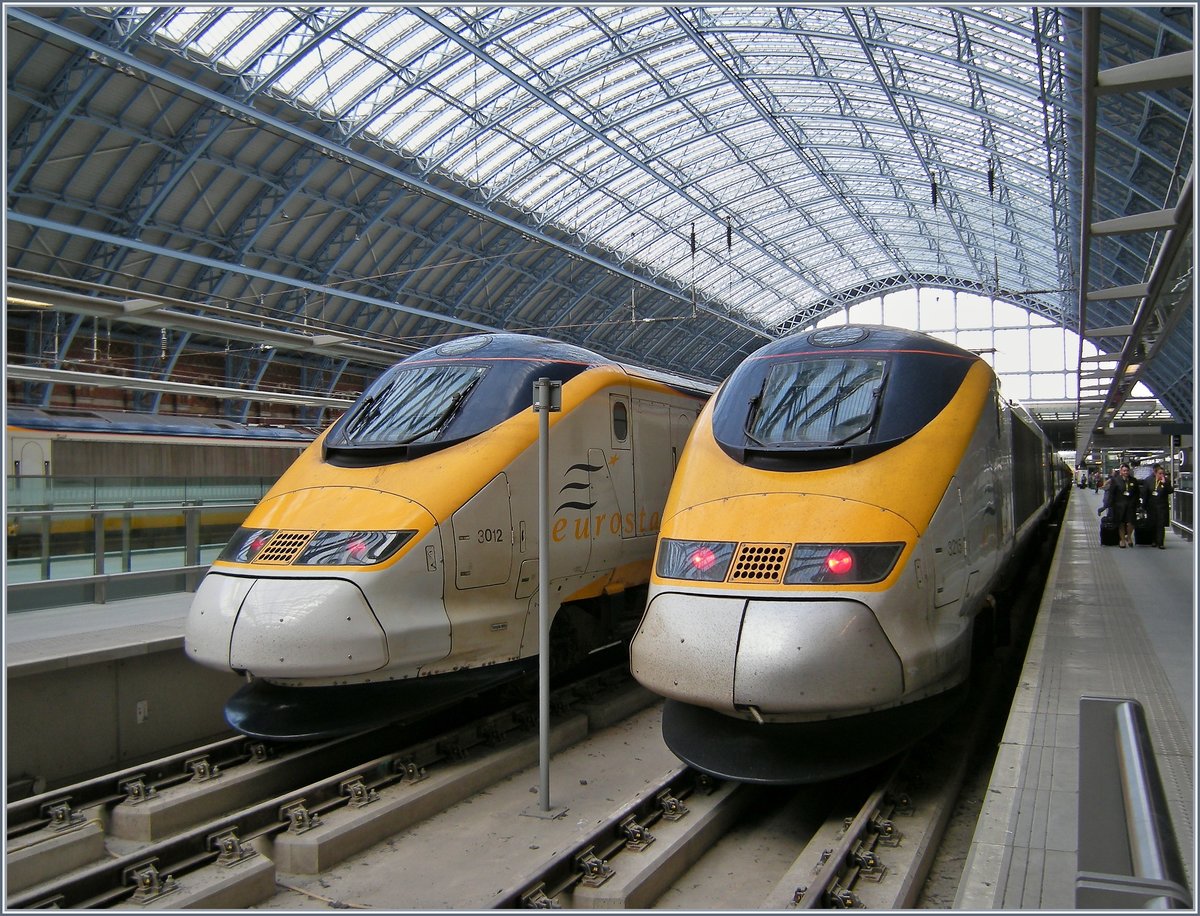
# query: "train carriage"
(846, 505)
(402, 547)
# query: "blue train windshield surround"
(447, 394)
(835, 396)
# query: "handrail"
(42, 524)
(102, 511)
(1127, 856)
(49, 593)
(1181, 512)
(32, 493)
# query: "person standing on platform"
(1158, 504)
(1124, 494)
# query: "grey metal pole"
(544, 402)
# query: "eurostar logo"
(605, 524)
(575, 485)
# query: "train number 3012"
(490, 536)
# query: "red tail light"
(840, 562)
(704, 561)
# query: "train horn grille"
(760, 563)
(284, 547)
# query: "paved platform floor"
(1112, 623)
(82, 634)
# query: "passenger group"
(1124, 494)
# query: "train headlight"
(351, 548)
(707, 561)
(246, 544)
(824, 564)
(325, 548)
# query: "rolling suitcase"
(1108, 532)
(1143, 530)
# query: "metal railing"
(53, 593)
(69, 556)
(1181, 513)
(130, 492)
(1128, 857)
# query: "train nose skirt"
(261, 709)
(798, 753)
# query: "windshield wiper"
(443, 418)
(872, 418)
(752, 408)
(367, 411)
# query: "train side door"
(681, 427)
(483, 537)
(984, 534)
(620, 463)
(947, 535)
(653, 465)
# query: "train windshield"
(816, 402)
(407, 407)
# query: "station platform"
(90, 688)
(1112, 623)
(1116, 623)
(81, 634)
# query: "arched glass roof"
(810, 150)
(670, 185)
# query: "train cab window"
(620, 421)
(406, 406)
(816, 402)
(835, 396)
(446, 395)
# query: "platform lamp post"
(547, 399)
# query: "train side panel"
(603, 525)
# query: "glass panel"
(1015, 386)
(1010, 316)
(974, 311)
(900, 310)
(937, 310)
(1047, 348)
(1012, 351)
(977, 342)
(620, 421)
(408, 406)
(822, 401)
(1045, 386)
(867, 312)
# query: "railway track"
(193, 820)
(291, 845)
(862, 841)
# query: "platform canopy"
(668, 185)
